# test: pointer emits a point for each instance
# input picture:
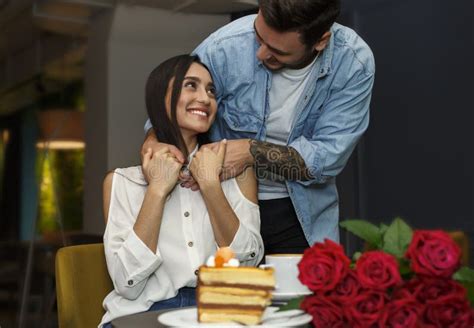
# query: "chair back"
(82, 282)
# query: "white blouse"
(186, 240)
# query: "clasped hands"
(213, 163)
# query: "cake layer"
(210, 298)
(239, 277)
(246, 317)
(234, 290)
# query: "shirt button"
(186, 214)
(130, 282)
(196, 272)
(190, 244)
(252, 254)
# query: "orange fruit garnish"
(219, 262)
(225, 253)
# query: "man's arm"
(151, 142)
(271, 161)
(278, 162)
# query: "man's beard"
(305, 61)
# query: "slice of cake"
(229, 293)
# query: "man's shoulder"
(239, 28)
(348, 43)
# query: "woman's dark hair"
(167, 128)
(310, 18)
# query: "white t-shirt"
(286, 89)
(186, 240)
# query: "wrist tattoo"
(277, 162)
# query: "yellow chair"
(82, 282)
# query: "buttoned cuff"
(138, 260)
(314, 157)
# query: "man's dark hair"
(166, 128)
(310, 18)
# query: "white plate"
(187, 317)
(288, 296)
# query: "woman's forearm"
(147, 226)
(223, 219)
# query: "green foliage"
(292, 304)
(61, 189)
(393, 239)
(365, 230)
(396, 238)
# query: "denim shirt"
(332, 113)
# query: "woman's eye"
(212, 91)
(190, 84)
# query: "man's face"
(281, 49)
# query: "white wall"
(124, 46)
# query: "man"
(293, 89)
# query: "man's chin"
(273, 66)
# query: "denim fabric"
(332, 113)
(186, 297)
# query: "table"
(142, 320)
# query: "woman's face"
(197, 106)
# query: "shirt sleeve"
(130, 262)
(147, 126)
(247, 243)
(207, 51)
(343, 120)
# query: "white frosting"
(211, 262)
(232, 263)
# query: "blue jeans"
(186, 297)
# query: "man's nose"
(263, 52)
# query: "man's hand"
(237, 157)
(152, 143)
(155, 145)
(206, 165)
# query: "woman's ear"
(323, 41)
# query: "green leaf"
(397, 238)
(365, 230)
(292, 304)
(469, 285)
(356, 256)
(383, 228)
(464, 274)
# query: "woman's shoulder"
(243, 185)
(131, 174)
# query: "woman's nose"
(203, 96)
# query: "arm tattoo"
(277, 162)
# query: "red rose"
(347, 289)
(426, 289)
(432, 289)
(451, 311)
(433, 253)
(325, 313)
(323, 266)
(402, 313)
(377, 270)
(366, 309)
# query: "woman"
(159, 233)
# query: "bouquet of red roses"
(407, 279)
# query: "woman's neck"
(190, 142)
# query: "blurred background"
(72, 77)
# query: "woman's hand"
(161, 170)
(206, 165)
